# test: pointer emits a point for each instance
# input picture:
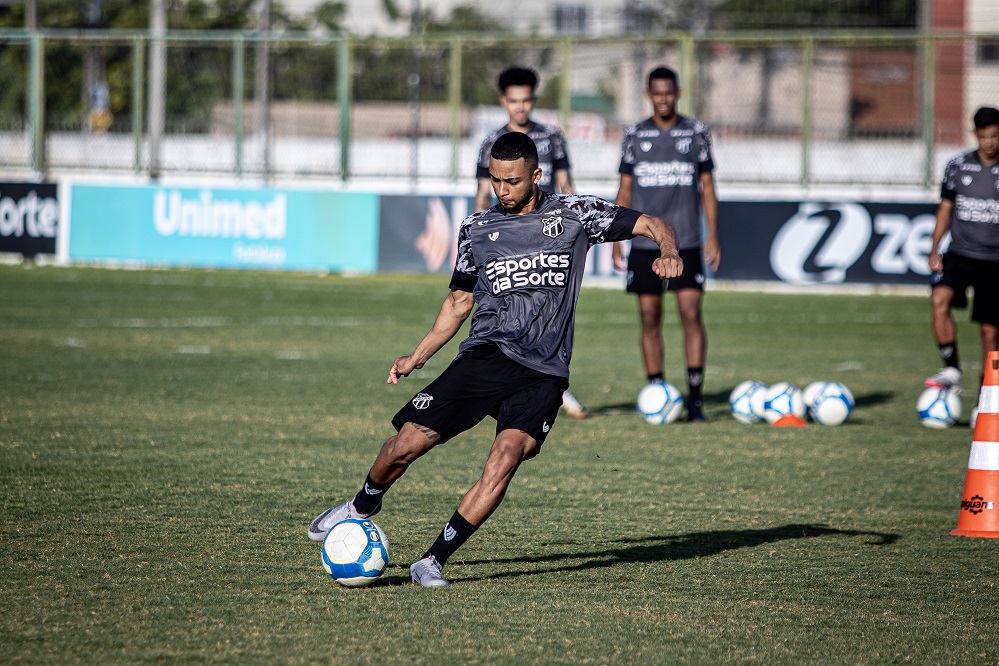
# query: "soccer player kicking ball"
(522, 262)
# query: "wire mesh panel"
(92, 129)
(197, 137)
(15, 133)
(304, 110)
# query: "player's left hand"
(712, 254)
(668, 266)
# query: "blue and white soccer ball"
(659, 403)
(783, 398)
(939, 408)
(831, 404)
(746, 401)
(355, 552)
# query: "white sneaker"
(947, 378)
(325, 521)
(427, 573)
(572, 407)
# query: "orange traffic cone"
(979, 515)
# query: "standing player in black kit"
(518, 92)
(522, 262)
(666, 171)
(969, 209)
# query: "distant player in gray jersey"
(969, 209)
(666, 171)
(518, 87)
(522, 262)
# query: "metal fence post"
(344, 100)
(138, 72)
(929, 106)
(565, 85)
(454, 104)
(36, 86)
(807, 65)
(238, 83)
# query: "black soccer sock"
(695, 382)
(455, 533)
(948, 352)
(657, 377)
(367, 499)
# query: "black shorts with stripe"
(481, 382)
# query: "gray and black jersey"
(666, 166)
(525, 273)
(552, 152)
(974, 189)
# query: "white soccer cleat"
(325, 521)
(427, 573)
(947, 378)
(573, 408)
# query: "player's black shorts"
(641, 279)
(959, 273)
(481, 382)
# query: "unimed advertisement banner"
(804, 243)
(29, 218)
(225, 228)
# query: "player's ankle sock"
(657, 377)
(455, 533)
(948, 352)
(695, 382)
(367, 499)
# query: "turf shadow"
(678, 547)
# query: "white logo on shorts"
(545, 427)
(494, 235)
(422, 400)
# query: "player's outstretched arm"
(669, 264)
(453, 313)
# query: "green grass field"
(166, 437)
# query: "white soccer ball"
(810, 391)
(783, 398)
(660, 402)
(355, 552)
(832, 404)
(746, 401)
(939, 408)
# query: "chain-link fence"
(872, 109)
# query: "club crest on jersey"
(966, 180)
(646, 146)
(422, 400)
(494, 235)
(683, 145)
(552, 226)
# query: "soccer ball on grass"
(355, 552)
(938, 407)
(783, 398)
(746, 401)
(659, 403)
(831, 404)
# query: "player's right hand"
(401, 367)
